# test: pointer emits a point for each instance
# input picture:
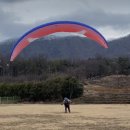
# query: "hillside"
(110, 89)
(72, 47)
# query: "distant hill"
(72, 47)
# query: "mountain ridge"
(70, 47)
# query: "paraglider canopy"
(53, 27)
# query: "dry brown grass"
(52, 117)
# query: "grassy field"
(52, 117)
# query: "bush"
(53, 89)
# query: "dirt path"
(52, 117)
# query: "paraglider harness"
(66, 102)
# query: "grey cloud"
(9, 28)
(115, 6)
(12, 1)
(98, 18)
(91, 12)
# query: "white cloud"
(110, 33)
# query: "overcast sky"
(110, 17)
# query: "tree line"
(41, 69)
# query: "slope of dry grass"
(110, 89)
(112, 81)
